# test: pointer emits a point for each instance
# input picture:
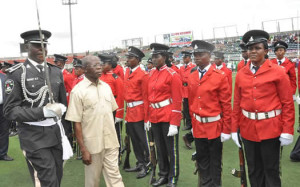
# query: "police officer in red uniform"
(117, 87)
(164, 96)
(263, 111)
(245, 56)
(60, 62)
(135, 95)
(220, 65)
(79, 71)
(279, 50)
(184, 72)
(170, 63)
(210, 106)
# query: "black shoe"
(135, 169)
(143, 172)
(160, 181)
(171, 184)
(6, 158)
(186, 142)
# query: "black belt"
(185, 84)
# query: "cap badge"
(196, 47)
(251, 39)
(153, 49)
(129, 49)
(278, 44)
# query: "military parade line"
(48, 104)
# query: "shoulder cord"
(41, 93)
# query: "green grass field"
(15, 173)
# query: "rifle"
(242, 173)
(194, 158)
(153, 160)
(128, 150)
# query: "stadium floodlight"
(70, 3)
(224, 28)
(277, 21)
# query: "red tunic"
(290, 70)
(263, 92)
(116, 85)
(68, 81)
(175, 68)
(210, 97)
(241, 64)
(184, 74)
(165, 84)
(77, 80)
(229, 75)
(135, 89)
(119, 71)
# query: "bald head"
(88, 60)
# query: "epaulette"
(52, 65)
(171, 71)
(194, 69)
(14, 68)
(219, 71)
(115, 75)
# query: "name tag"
(32, 79)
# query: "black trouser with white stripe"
(209, 158)
(139, 141)
(167, 151)
(45, 166)
(263, 160)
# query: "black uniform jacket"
(16, 108)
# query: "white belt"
(207, 119)
(134, 103)
(161, 104)
(261, 115)
(45, 123)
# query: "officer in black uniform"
(4, 124)
(27, 102)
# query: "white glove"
(54, 110)
(192, 131)
(235, 139)
(225, 137)
(294, 97)
(118, 120)
(298, 99)
(286, 139)
(147, 126)
(173, 130)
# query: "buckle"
(256, 116)
(267, 115)
(249, 115)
